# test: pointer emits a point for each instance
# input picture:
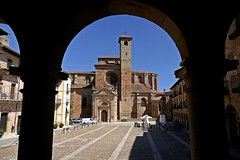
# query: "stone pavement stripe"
(156, 154)
(76, 137)
(184, 143)
(71, 155)
(8, 142)
(120, 146)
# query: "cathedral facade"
(113, 92)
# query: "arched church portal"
(104, 116)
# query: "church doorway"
(104, 116)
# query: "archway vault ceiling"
(88, 16)
(52, 30)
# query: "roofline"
(80, 72)
(3, 31)
(11, 50)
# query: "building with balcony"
(10, 86)
(62, 102)
(179, 104)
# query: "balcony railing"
(11, 96)
(58, 101)
(68, 90)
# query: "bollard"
(135, 124)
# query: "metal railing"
(10, 96)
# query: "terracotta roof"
(140, 88)
(125, 36)
(109, 57)
(80, 72)
(159, 94)
(147, 72)
(106, 65)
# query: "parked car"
(76, 120)
(88, 121)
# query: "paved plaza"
(113, 141)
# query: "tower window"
(126, 43)
(143, 102)
(149, 79)
(140, 79)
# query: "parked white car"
(76, 120)
(88, 121)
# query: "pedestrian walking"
(177, 124)
(146, 123)
(12, 128)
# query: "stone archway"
(88, 16)
(200, 30)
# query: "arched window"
(143, 102)
(104, 104)
(150, 79)
(126, 43)
(140, 79)
(84, 102)
(88, 80)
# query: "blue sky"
(153, 50)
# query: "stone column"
(36, 129)
(94, 109)
(156, 82)
(206, 113)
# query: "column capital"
(42, 72)
(187, 68)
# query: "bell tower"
(125, 107)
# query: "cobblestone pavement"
(115, 141)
